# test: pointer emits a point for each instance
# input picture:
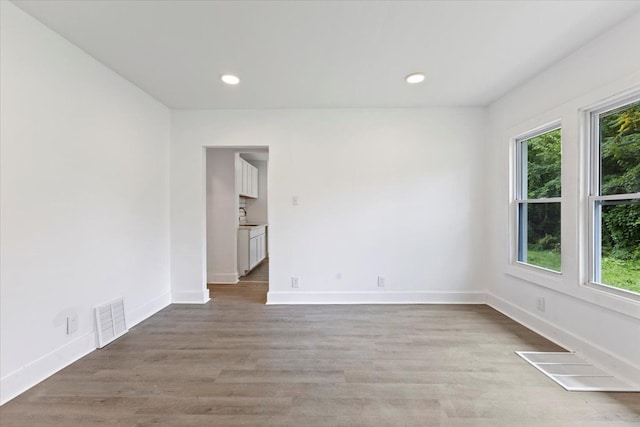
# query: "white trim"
(222, 278)
(190, 297)
(593, 353)
(534, 274)
(543, 200)
(612, 290)
(549, 126)
(628, 196)
(517, 190)
(593, 187)
(32, 373)
(20, 380)
(148, 309)
(409, 297)
(612, 102)
(591, 294)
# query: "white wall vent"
(110, 321)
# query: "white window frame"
(594, 215)
(517, 197)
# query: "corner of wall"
(37, 371)
(33, 373)
(190, 297)
(620, 367)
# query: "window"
(537, 198)
(614, 198)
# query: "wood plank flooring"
(237, 362)
(259, 274)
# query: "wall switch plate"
(295, 201)
(72, 324)
(540, 304)
(295, 282)
(381, 281)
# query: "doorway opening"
(237, 222)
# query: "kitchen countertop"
(251, 225)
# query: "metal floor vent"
(110, 321)
(574, 373)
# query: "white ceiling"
(328, 53)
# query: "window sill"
(595, 294)
(622, 301)
(612, 290)
(538, 275)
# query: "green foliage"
(544, 165)
(549, 243)
(620, 174)
(545, 259)
(620, 150)
(621, 231)
(621, 273)
(543, 181)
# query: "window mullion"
(546, 200)
(597, 242)
(524, 174)
(628, 196)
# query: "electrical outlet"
(381, 281)
(72, 324)
(295, 282)
(540, 304)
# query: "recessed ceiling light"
(414, 78)
(230, 79)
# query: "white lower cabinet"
(252, 248)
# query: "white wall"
(401, 193)
(602, 327)
(84, 199)
(222, 216)
(396, 193)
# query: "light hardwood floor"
(238, 362)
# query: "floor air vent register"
(110, 321)
(574, 373)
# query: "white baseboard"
(148, 309)
(222, 278)
(34, 372)
(376, 298)
(190, 297)
(592, 352)
(40, 369)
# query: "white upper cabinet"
(253, 181)
(245, 178)
(248, 179)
